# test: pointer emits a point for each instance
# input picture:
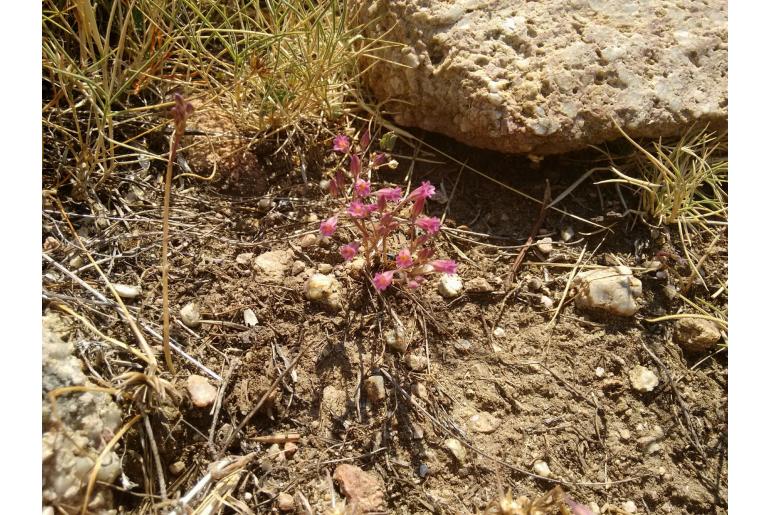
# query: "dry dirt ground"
(491, 372)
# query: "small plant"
(393, 235)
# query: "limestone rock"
(285, 502)
(643, 379)
(202, 393)
(550, 76)
(696, 335)
(190, 315)
(71, 442)
(483, 422)
(479, 285)
(324, 289)
(541, 469)
(375, 388)
(450, 286)
(362, 490)
(127, 291)
(613, 289)
(274, 264)
(456, 448)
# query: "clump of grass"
(110, 68)
(680, 181)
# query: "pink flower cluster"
(377, 216)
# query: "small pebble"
(599, 372)
(201, 391)
(643, 379)
(249, 317)
(499, 332)
(396, 340)
(416, 362)
(420, 391)
(629, 507)
(483, 422)
(534, 284)
(325, 268)
(285, 502)
(297, 267)
(176, 468)
(264, 204)
(190, 315)
(450, 286)
(546, 301)
(245, 258)
(463, 345)
(457, 449)
(545, 246)
(308, 241)
(541, 469)
(76, 262)
(479, 285)
(423, 470)
(324, 289)
(127, 291)
(567, 233)
(375, 388)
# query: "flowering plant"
(379, 216)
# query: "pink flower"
(362, 187)
(426, 190)
(379, 159)
(366, 138)
(446, 266)
(350, 250)
(355, 165)
(431, 225)
(404, 258)
(341, 143)
(389, 194)
(329, 226)
(382, 280)
(356, 209)
(415, 282)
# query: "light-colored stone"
(613, 289)
(374, 387)
(285, 502)
(325, 268)
(457, 449)
(599, 372)
(272, 265)
(499, 332)
(361, 489)
(478, 285)
(549, 76)
(643, 379)
(249, 317)
(176, 468)
(541, 468)
(416, 362)
(127, 291)
(420, 390)
(483, 422)
(244, 258)
(297, 267)
(567, 233)
(190, 315)
(546, 301)
(396, 339)
(450, 286)
(696, 335)
(545, 245)
(629, 507)
(202, 393)
(308, 241)
(325, 290)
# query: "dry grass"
(109, 69)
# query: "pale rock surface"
(86, 418)
(549, 76)
(613, 289)
(202, 393)
(273, 265)
(696, 335)
(643, 379)
(450, 286)
(325, 290)
(361, 489)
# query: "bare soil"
(538, 381)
